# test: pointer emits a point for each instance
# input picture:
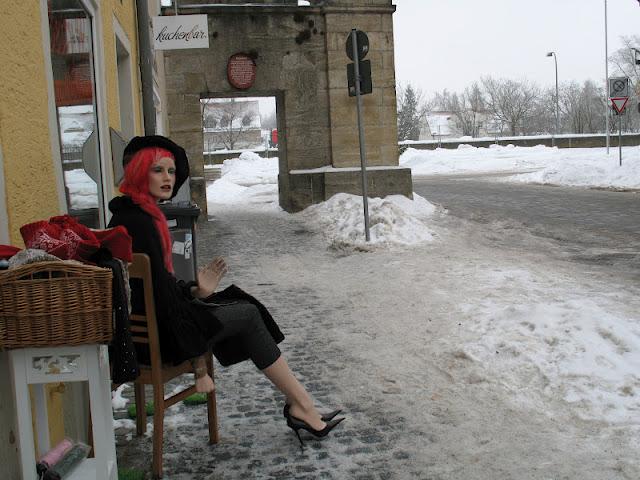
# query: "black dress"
(187, 326)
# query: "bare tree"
(466, 107)
(624, 61)
(511, 102)
(225, 121)
(582, 107)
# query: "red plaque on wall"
(241, 71)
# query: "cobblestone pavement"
(255, 442)
(377, 335)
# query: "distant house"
(231, 124)
(440, 125)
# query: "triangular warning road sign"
(619, 103)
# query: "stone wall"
(301, 60)
(288, 48)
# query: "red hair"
(136, 185)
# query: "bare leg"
(297, 396)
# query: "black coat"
(185, 326)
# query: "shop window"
(71, 40)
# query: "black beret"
(182, 162)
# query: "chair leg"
(212, 408)
(158, 426)
(141, 411)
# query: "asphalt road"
(594, 226)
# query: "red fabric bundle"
(8, 251)
(67, 239)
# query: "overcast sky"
(450, 43)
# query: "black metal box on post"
(182, 218)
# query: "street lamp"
(555, 60)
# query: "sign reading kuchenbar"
(180, 31)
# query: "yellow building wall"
(31, 190)
(30, 186)
(29, 174)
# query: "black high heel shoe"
(325, 416)
(296, 424)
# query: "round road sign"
(363, 45)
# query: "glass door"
(71, 37)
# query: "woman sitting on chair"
(191, 317)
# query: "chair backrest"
(144, 327)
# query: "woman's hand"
(209, 277)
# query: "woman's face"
(162, 178)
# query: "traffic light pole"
(363, 154)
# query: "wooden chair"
(144, 330)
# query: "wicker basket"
(55, 303)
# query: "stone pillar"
(184, 81)
(379, 107)
(385, 177)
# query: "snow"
(507, 138)
(525, 321)
(83, 191)
(394, 221)
(587, 349)
(248, 179)
(584, 167)
(118, 402)
(251, 180)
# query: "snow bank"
(590, 170)
(470, 159)
(251, 169)
(586, 349)
(394, 221)
(249, 180)
(586, 167)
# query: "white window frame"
(102, 123)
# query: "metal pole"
(363, 155)
(606, 75)
(555, 59)
(620, 136)
(146, 67)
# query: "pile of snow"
(567, 166)
(83, 191)
(393, 221)
(586, 350)
(249, 180)
(591, 169)
(251, 169)
(470, 159)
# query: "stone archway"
(300, 57)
